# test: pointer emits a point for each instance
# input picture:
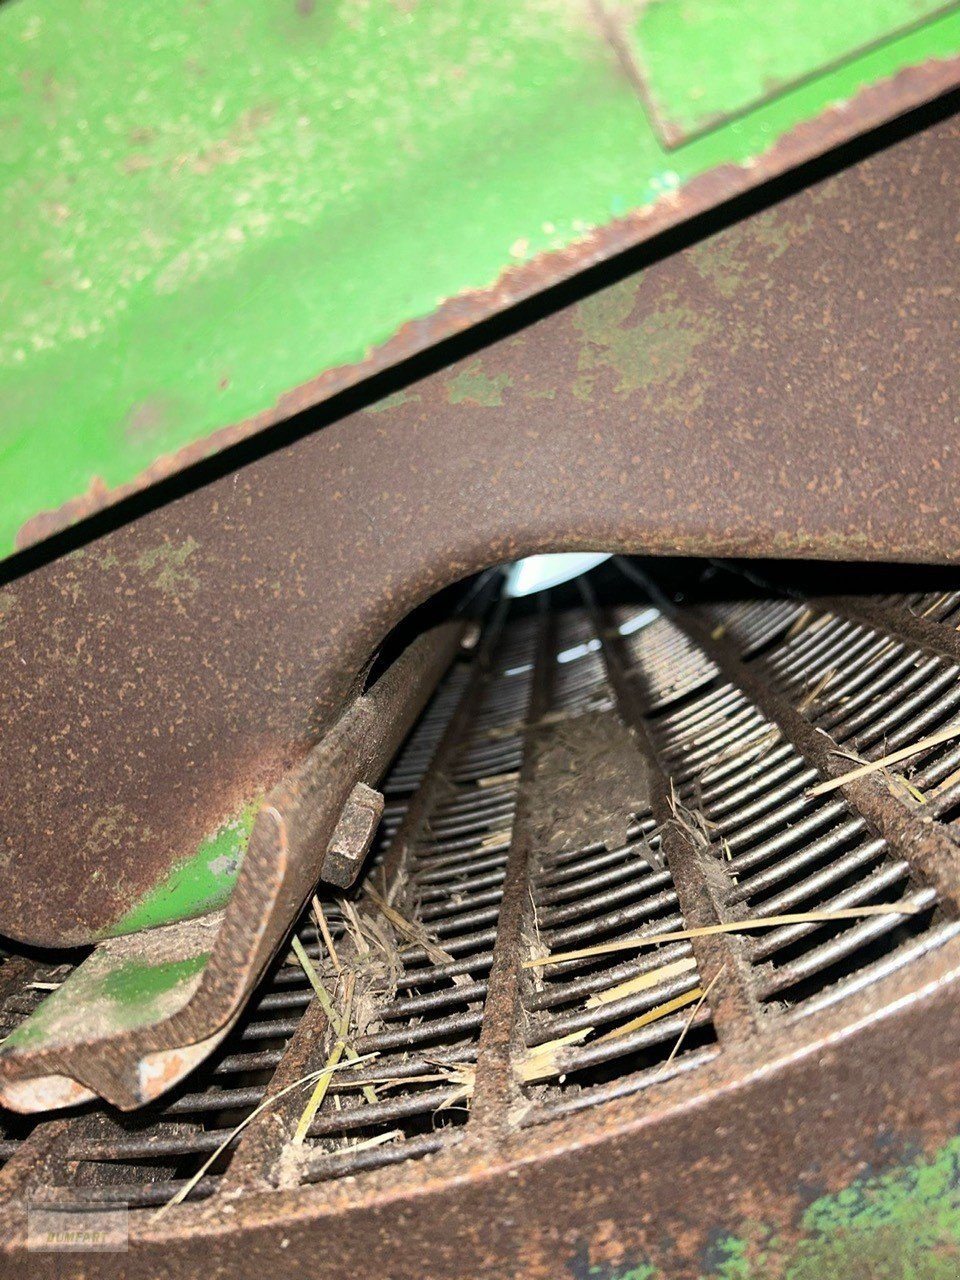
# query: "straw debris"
(653, 1015)
(642, 982)
(234, 1133)
(874, 766)
(732, 926)
(814, 692)
(414, 932)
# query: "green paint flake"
(133, 985)
(734, 1261)
(219, 203)
(392, 402)
(473, 386)
(655, 351)
(723, 261)
(202, 883)
(165, 568)
(106, 994)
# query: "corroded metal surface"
(786, 387)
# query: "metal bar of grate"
(495, 1089)
(696, 879)
(581, 1045)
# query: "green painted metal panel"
(202, 883)
(206, 205)
(706, 61)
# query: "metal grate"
(592, 894)
(730, 711)
(781, 851)
(426, 1002)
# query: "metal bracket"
(353, 836)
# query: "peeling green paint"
(721, 260)
(903, 1224)
(657, 350)
(202, 883)
(474, 386)
(134, 984)
(216, 205)
(165, 567)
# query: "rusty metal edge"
(871, 107)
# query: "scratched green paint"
(706, 60)
(207, 204)
(202, 883)
(903, 1224)
(111, 994)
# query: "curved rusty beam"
(839, 123)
